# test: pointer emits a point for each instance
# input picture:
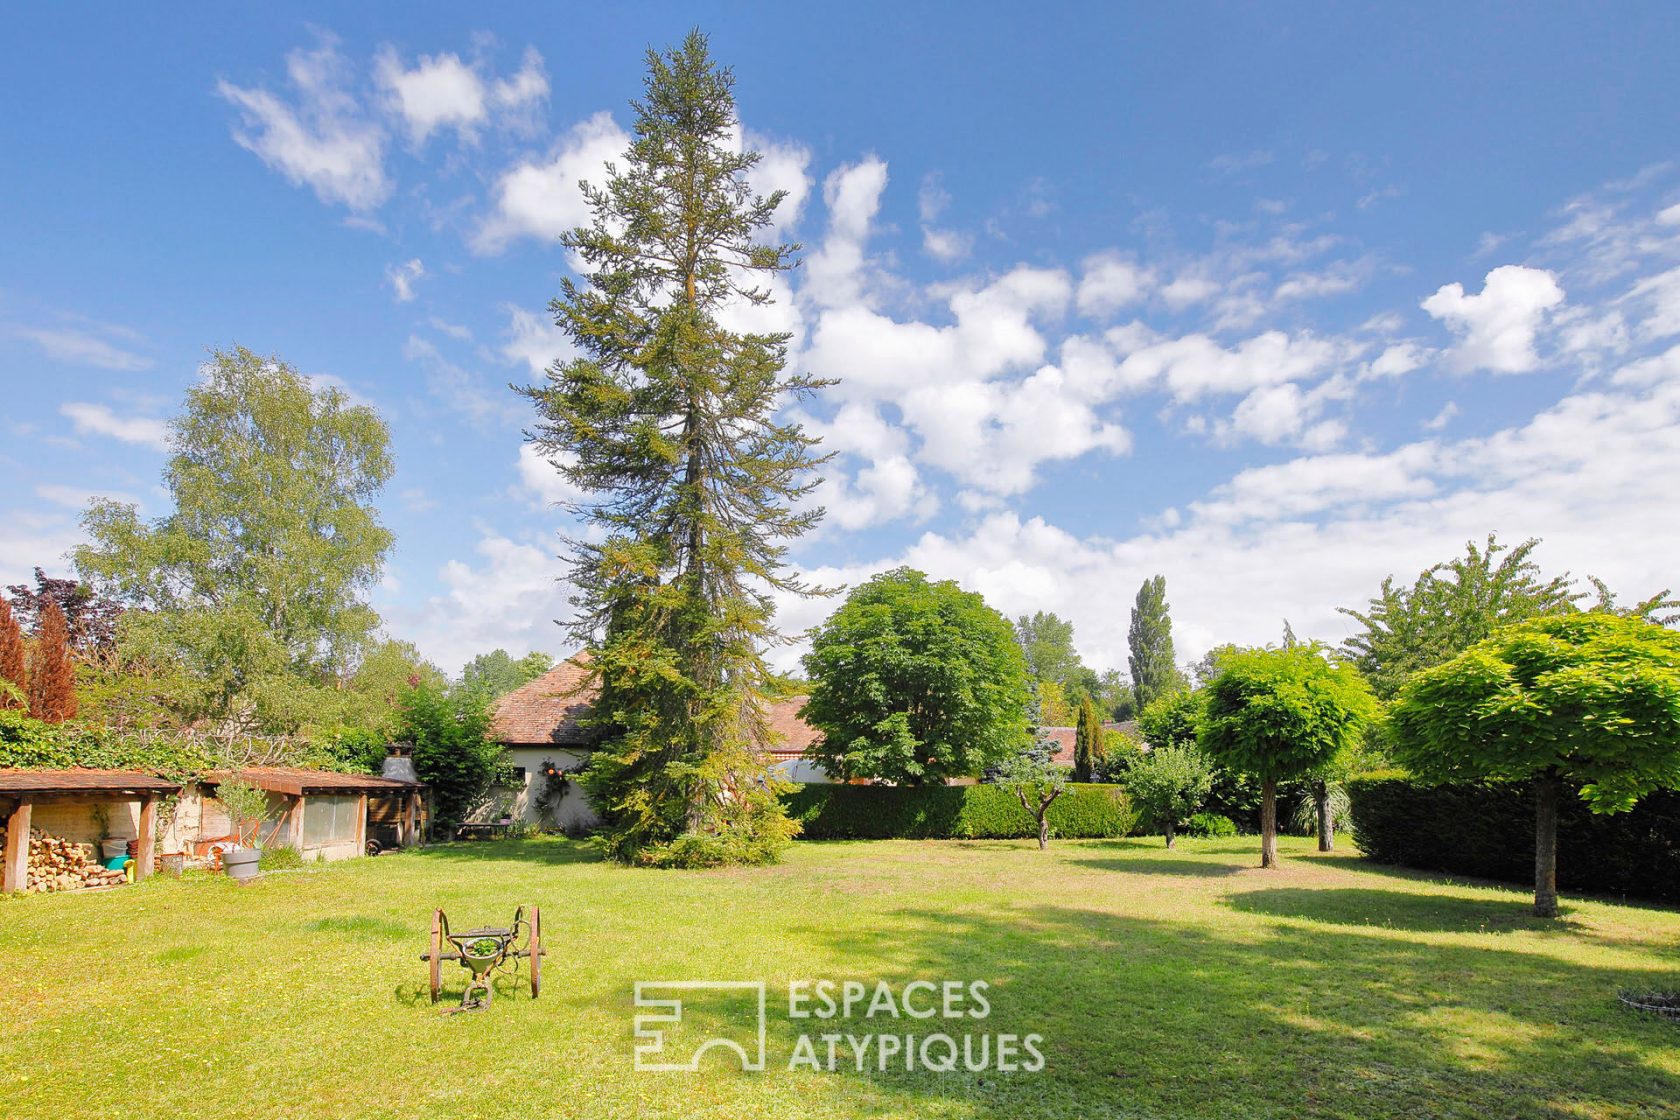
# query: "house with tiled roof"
(542, 726)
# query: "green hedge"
(979, 812)
(1488, 832)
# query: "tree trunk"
(1268, 823)
(1546, 790)
(1043, 830)
(1169, 834)
(1326, 826)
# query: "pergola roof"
(113, 783)
(299, 783)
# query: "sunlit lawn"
(1165, 984)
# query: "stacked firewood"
(56, 864)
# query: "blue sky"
(1275, 300)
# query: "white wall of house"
(572, 813)
(802, 770)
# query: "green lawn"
(1164, 984)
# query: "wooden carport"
(297, 786)
(23, 789)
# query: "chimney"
(399, 763)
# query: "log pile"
(56, 864)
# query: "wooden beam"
(410, 819)
(361, 825)
(143, 856)
(16, 876)
(296, 815)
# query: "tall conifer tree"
(52, 676)
(666, 421)
(13, 665)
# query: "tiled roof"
(298, 783)
(80, 781)
(547, 710)
(550, 709)
(1064, 739)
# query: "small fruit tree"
(1279, 713)
(1591, 698)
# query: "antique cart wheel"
(536, 951)
(437, 954)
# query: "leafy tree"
(1457, 603)
(1281, 713)
(52, 674)
(1173, 720)
(1047, 642)
(91, 619)
(1114, 694)
(255, 585)
(498, 672)
(1088, 743)
(1034, 775)
(1154, 673)
(453, 752)
(14, 670)
(915, 682)
(1168, 784)
(1592, 698)
(669, 421)
(1053, 701)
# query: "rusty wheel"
(437, 954)
(536, 951)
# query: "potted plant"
(245, 805)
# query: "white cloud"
(945, 244)
(1195, 366)
(323, 141)
(100, 420)
(439, 92)
(542, 481)
(403, 277)
(835, 272)
(781, 167)
(463, 392)
(1443, 418)
(82, 348)
(527, 87)
(1111, 282)
(535, 340)
(541, 198)
(1497, 328)
(78, 497)
(507, 598)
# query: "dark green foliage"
(915, 682)
(1210, 825)
(1088, 745)
(452, 750)
(842, 812)
(1167, 785)
(28, 743)
(1451, 606)
(1488, 832)
(355, 750)
(673, 425)
(1154, 673)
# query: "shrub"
(980, 812)
(1488, 832)
(1210, 825)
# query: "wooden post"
(410, 819)
(296, 816)
(143, 843)
(16, 876)
(361, 825)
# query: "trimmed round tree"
(915, 682)
(1278, 714)
(1589, 698)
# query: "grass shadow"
(1194, 868)
(1424, 913)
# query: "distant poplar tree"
(52, 675)
(1150, 637)
(14, 670)
(668, 422)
